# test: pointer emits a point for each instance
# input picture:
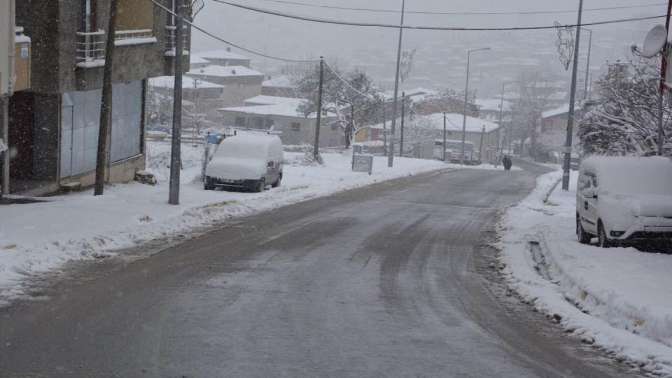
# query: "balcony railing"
(171, 39)
(134, 37)
(90, 49)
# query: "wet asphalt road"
(391, 280)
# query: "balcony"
(90, 49)
(134, 37)
(91, 45)
(171, 39)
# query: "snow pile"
(41, 237)
(617, 298)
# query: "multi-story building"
(241, 82)
(14, 76)
(225, 57)
(55, 124)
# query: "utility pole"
(176, 147)
(5, 138)
(466, 100)
(572, 99)
(590, 47)
(390, 154)
(403, 114)
(316, 147)
(445, 131)
(663, 79)
(480, 147)
(106, 104)
(501, 118)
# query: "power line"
(211, 35)
(462, 13)
(441, 28)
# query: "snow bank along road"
(388, 280)
(617, 298)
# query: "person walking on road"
(507, 162)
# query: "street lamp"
(466, 99)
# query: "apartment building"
(55, 124)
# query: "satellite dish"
(655, 41)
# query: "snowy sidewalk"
(617, 298)
(41, 237)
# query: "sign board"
(362, 163)
(6, 45)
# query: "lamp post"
(466, 99)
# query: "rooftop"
(492, 104)
(224, 71)
(187, 82)
(222, 54)
(279, 82)
(273, 106)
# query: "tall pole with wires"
(590, 48)
(175, 152)
(390, 152)
(663, 79)
(572, 99)
(403, 115)
(445, 132)
(106, 105)
(316, 147)
(466, 100)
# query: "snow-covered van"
(624, 199)
(246, 161)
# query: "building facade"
(280, 114)
(55, 123)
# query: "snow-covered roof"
(187, 82)
(273, 106)
(224, 71)
(556, 112)
(279, 82)
(222, 54)
(454, 122)
(271, 100)
(492, 104)
(195, 59)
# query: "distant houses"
(282, 115)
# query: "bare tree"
(533, 99)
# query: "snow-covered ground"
(41, 237)
(617, 298)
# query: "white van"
(246, 161)
(624, 199)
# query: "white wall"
(6, 43)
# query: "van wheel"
(261, 186)
(277, 183)
(207, 185)
(602, 236)
(581, 234)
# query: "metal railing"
(90, 47)
(133, 34)
(171, 40)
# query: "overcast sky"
(291, 38)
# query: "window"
(88, 16)
(295, 126)
(135, 15)
(240, 121)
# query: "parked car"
(246, 161)
(624, 199)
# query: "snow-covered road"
(41, 237)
